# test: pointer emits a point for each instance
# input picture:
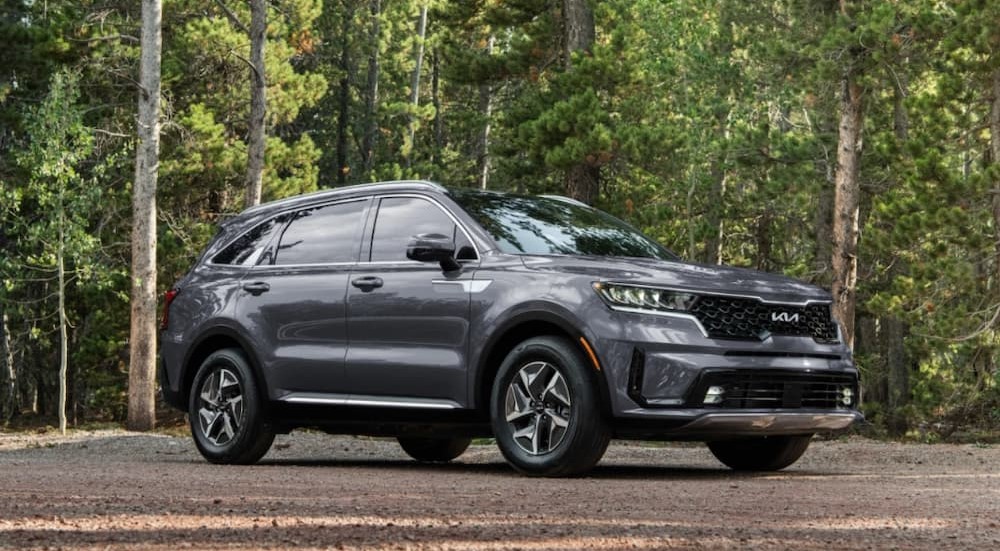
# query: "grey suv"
(437, 315)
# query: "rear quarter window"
(247, 249)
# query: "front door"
(409, 321)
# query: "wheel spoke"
(530, 433)
(557, 389)
(227, 426)
(557, 419)
(521, 406)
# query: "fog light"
(714, 395)
(847, 396)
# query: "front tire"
(770, 453)
(225, 411)
(545, 409)
(434, 450)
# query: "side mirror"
(433, 247)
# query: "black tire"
(434, 450)
(568, 451)
(769, 453)
(243, 437)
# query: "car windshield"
(542, 225)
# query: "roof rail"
(333, 192)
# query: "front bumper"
(659, 369)
(719, 425)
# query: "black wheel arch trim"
(545, 312)
(188, 371)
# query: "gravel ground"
(117, 490)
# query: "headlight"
(644, 298)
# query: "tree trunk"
(578, 28)
(63, 345)
(823, 224)
(345, 96)
(896, 330)
(486, 112)
(371, 91)
(415, 82)
(256, 139)
(8, 399)
(438, 113)
(582, 181)
(995, 154)
(142, 339)
(717, 199)
(844, 260)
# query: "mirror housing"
(433, 247)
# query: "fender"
(222, 330)
(534, 311)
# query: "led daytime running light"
(644, 298)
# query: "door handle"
(367, 283)
(256, 288)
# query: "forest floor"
(117, 490)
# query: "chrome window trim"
(278, 214)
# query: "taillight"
(168, 297)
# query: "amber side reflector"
(590, 352)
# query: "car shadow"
(601, 472)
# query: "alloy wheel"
(537, 408)
(221, 410)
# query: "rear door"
(408, 321)
(294, 301)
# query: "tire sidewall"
(248, 432)
(583, 399)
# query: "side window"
(321, 235)
(400, 218)
(248, 247)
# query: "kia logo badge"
(784, 317)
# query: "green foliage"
(712, 124)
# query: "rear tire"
(225, 411)
(546, 412)
(769, 453)
(434, 450)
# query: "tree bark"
(582, 181)
(345, 95)
(256, 138)
(579, 32)
(486, 112)
(847, 191)
(63, 345)
(717, 205)
(415, 82)
(370, 139)
(8, 400)
(995, 154)
(142, 339)
(438, 107)
(896, 330)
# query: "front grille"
(773, 388)
(745, 318)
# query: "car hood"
(684, 275)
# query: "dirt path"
(113, 490)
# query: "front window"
(546, 226)
(402, 218)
